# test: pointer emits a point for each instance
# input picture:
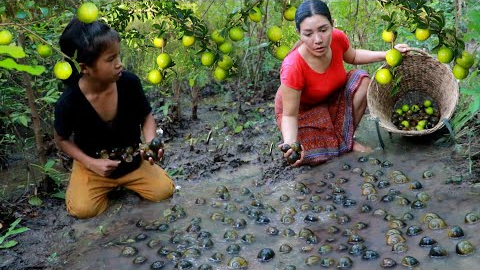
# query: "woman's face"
(316, 34)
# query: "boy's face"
(108, 67)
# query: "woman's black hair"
(309, 8)
(88, 41)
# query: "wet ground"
(328, 208)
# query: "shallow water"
(450, 202)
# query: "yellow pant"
(86, 194)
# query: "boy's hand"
(103, 167)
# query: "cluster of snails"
(295, 155)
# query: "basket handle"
(420, 51)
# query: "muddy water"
(451, 202)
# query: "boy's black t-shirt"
(74, 115)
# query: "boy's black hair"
(88, 41)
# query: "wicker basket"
(428, 77)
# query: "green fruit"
(226, 62)
(388, 36)
(226, 47)
(164, 60)
(466, 60)
(427, 103)
(459, 72)
(154, 77)
(399, 111)
(159, 42)
(207, 59)
(255, 15)
(274, 33)
(405, 123)
(87, 12)
(422, 34)
(217, 37)
(235, 33)
(445, 55)
(393, 57)
(282, 52)
(188, 41)
(289, 13)
(405, 107)
(383, 76)
(44, 50)
(5, 37)
(62, 70)
(415, 108)
(429, 110)
(220, 74)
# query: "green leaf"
(13, 51)
(23, 120)
(36, 201)
(59, 195)
(9, 63)
(21, 15)
(238, 129)
(49, 164)
(44, 11)
(9, 244)
(49, 99)
(19, 230)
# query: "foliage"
(12, 230)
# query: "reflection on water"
(319, 205)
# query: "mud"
(244, 160)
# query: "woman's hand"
(288, 154)
(103, 167)
(403, 48)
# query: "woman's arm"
(360, 57)
(289, 125)
(291, 105)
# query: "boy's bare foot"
(357, 147)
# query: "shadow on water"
(452, 203)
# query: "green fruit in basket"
(405, 123)
(393, 57)
(427, 103)
(422, 123)
(383, 76)
(399, 111)
(405, 107)
(429, 110)
(415, 108)
(419, 127)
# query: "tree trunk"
(195, 97)
(37, 127)
(177, 89)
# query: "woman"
(104, 109)
(318, 103)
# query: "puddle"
(450, 202)
(98, 243)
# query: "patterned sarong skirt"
(326, 130)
